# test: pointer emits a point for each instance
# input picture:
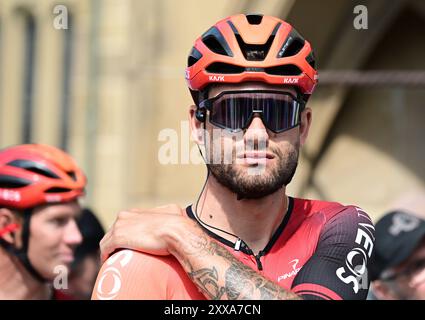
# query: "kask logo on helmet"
(10, 195)
(216, 78)
(290, 80)
(53, 198)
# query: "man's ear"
(196, 127)
(306, 119)
(7, 219)
(383, 291)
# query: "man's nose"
(256, 133)
(72, 235)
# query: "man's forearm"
(217, 272)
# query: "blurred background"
(105, 87)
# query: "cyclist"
(398, 266)
(244, 238)
(39, 190)
(87, 261)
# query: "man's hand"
(142, 229)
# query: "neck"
(252, 220)
(16, 283)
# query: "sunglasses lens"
(281, 114)
(234, 111)
(231, 112)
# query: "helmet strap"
(22, 253)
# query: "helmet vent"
(72, 175)
(292, 45)
(9, 182)
(254, 18)
(226, 68)
(33, 167)
(57, 190)
(215, 41)
(311, 60)
(254, 52)
(284, 70)
(194, 56)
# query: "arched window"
(1, 63)
(66, 83)
(28, 81)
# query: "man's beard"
(257, 186)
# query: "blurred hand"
(141, 229)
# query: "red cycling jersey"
(320, 250)
(60, 295)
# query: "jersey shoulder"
(129, 274)
(329, 209)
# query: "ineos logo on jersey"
(112, 275)
(292, 273)
(216, 78)
(354, 255)
(356, 260)
(403, 223)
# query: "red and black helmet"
(244, 48)
(36, 174)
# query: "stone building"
(106, 86)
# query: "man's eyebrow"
(64, 214)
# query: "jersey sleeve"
(338, 268)
(128, 275)
(133, 275)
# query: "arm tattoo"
(207, 280)
(229, 280)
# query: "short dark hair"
(92, 232)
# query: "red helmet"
(245, 48)
(36, 174)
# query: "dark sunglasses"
(234, 110)
(409, 271)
